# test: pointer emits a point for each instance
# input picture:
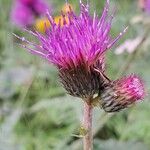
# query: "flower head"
(78, 48)
(24, 12)
(39, 6)
(122, 93)
(82, 40)
(145, 5)
(24, 17)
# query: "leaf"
(7, 140)
(11, 79)
(138, 124)
(65, 101)
(110, 144)
(52, 121)
(118, 145)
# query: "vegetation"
(37, 114)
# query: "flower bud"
(122, 93)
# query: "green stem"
(87, 124)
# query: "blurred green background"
(35, 111)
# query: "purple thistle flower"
(122, 93)
(24, 12)
(77, 49)
(145, 5)
(40, 6)
(83, 41)
(24, 17)
(26, 2)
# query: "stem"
(87, 124)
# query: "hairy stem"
(87, 124)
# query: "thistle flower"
(24, 17)
(24, 12)
(78, 48)
(145, 5)
(122, 93)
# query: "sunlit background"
(35, 111)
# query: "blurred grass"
(48, 118)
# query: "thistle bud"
(122, 93)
